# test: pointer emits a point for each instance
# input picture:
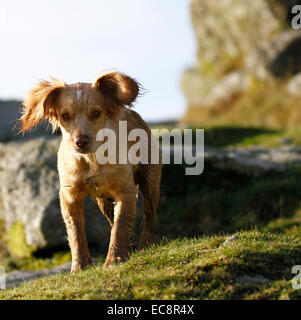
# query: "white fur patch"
(78, 94)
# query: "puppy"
(80, 110)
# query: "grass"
(236, 136)
(243, 137)
(197, 268)
(224, 200)
(246, 136)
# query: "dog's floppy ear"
(118, 89)
(40, 104)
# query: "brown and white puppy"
(80, 110)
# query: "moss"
(199, 268)
(16, 240)
(37, 263)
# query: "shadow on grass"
(248, 274)
(225, 201)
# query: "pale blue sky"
(151, 40)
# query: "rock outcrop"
(239, 41)
(29, 198)
(10, 111)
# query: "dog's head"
(79, 109)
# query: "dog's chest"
(97, 184)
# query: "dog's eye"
(66, 116)
(96, 114)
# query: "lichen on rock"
(239, 41)
(16, 240)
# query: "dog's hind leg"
(149, 182)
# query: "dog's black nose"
(82, 141)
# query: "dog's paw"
(81, 266)
(114, 260)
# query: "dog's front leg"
(124, 213)
(72, 207)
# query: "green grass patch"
(244, 136)
(224, 200)
(238, 136)
(37, 263)
(198, 268)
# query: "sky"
(152, 41)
